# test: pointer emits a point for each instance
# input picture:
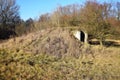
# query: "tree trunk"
(101, 43)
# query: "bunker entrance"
(82, 36)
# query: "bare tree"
(93, 19)
(8, 11)
(65, 16)
(118, 10)
(9, 15)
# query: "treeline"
(11, 24)
(100, 20)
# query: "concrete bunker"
(81, 36)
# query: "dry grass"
(18, 65)
(54, 54)
(55, 41)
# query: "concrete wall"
(77, 35)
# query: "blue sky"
(34, 8)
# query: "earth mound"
(55, 41)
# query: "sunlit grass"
(19, 65)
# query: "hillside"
(51, 41)
(54, 54)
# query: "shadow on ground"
(106, 43)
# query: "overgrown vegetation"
(51, 52)
(101, 20)
(11, 24)
(97, 19)
(18, 65)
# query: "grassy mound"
(54, 41)
(22, 66)
(54, 54)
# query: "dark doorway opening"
(82, 36)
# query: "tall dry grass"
(19, 65)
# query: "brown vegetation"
(47, 50)
(19, 64)
(56, 41)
